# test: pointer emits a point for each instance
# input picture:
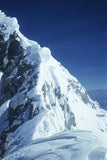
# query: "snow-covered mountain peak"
(8, 25)
(38, 96)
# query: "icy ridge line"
(39, 97)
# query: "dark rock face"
(8, 51)
(15, 79)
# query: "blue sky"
(74, 30)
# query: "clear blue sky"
(74, 30)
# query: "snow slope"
(39, 98)
(72, 145)
(100, 95)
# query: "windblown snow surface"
(72, 145)
(52, 117)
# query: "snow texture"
(59, 103)
(72, 145)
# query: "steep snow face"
(38, 96)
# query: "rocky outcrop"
(15, 81)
